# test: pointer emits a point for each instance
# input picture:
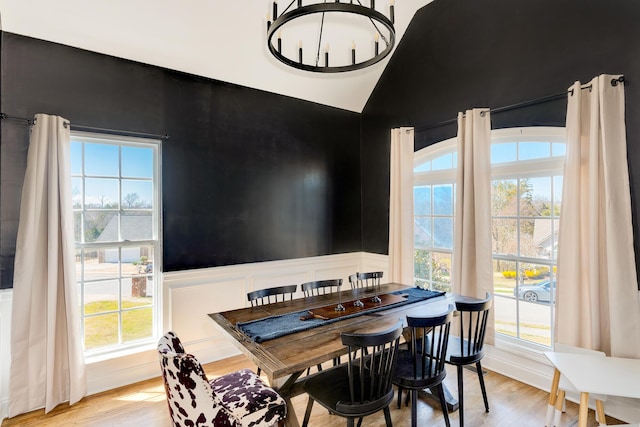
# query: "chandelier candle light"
(333, 14)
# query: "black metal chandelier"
(382, 26)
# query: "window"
(526, 169)
(116, 220)
(433, 201)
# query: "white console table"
(613, 376)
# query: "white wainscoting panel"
(375, 262)
(190, 305)
(192, 294)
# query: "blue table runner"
(272, 327)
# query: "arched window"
(526, 170)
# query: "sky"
(103, 164)
(511, 152)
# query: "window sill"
(522, 348)
(120, 352)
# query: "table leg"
(558, 410)
(553, 395)
(291, 420)
(287, 387)
(600, 412)
(584, 409)
(432, 393)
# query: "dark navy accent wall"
(247, 175)
(459, 54)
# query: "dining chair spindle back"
(321, 287)
(271, 295)
(364, 384)
(368, 280)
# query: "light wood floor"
(144, 404)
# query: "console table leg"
(584, 409)
(553, 394)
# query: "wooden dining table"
(285, 359)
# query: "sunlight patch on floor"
(144, 396)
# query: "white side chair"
(554, 412)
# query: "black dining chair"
(468, 347)
(364, 281)
(271, 295)
(353, 281)
(370, 280)
(361, 386)
(422, 365)
(321, 287)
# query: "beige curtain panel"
(597, 302)
(401, 207)
(472, 250)
(47, 365)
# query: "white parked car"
(541, 291)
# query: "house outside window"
(116, 203)
(526, 189)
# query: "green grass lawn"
(102, 330)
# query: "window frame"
(155, 242)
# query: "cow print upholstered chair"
(239, 399)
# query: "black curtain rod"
(79, 128)
(26, 121)
(614, 82)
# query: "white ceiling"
(219, 39)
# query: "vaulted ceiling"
(219, 39)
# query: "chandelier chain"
(320, 40)
(287, 8)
